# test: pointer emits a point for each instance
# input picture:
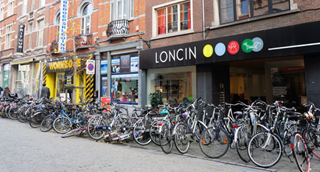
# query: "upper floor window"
(1, 10)
(0, 39)
(42, 3)
(58, 26)
(8, 36)
(10, 8)
(40, 32)
(174, 18)
(233, 10)
(30, 34)
(121, 9)
(86, 19)
(24, 7)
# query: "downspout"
(203, 22)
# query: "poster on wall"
(125, 64)
(115, 66)
(68, 80)
(134, 64)
(104, 67)
(104, 82)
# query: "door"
(60, 83)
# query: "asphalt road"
(23, 148)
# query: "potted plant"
(156, 98)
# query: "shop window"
(35, 80)
(22, 80)
(174, 18)
(124, 88)
(233, 10)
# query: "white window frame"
(8, 37)
(166, 5)
(40, 33)
(30, 30)
(57, 22)
(1, 39)
(42, 3)
(84, 20)
(10, 8)
(24, 6)
(114, 10)
(2, 4)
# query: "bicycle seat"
(238, 114)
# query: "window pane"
(125, 9)
(260, 7)
(161, 21)
(88, 25)
(185, 16)
(131, 8)
(226, 11)
(173, 19)
(119, 10)
(243, 8)
(280, 5)
(83, 26)
(124, 88)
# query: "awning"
(21, 62)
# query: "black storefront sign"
(285, 41)
(125, 64)
(20, 38)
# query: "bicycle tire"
(12, 115)
(35, 121)
(242, 144)
(153, 133)
(166, 138)
(316, 147)
(215, 138)
(141, 134)
(257, 141)
(300, 150)
(20, 116)
(180, 138)
(46, 123)
(65, 122)
(92, 132)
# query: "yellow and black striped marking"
(89, 84)
(44, 71)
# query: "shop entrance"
(270, 80)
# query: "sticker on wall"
(248, 45)
(207, 51)
(257, 44)
(233, 47)
(220, 49)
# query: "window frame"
(1, 36)
(30, 30)
(42, 3)
(251, 10)
(114, 10)
(40, 30)
(2, 5)
(84, 19)
(57, 22)
(8, 37)
(24, 7)
(10, 8)
(166, 6)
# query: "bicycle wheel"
(242, 143)
(265, 152)
(21, 118)
(12, 114)
(35, 121)
(62, 125)
(154, 132)
(166, 138)
(122, 120)
(46, 123)
(180, 138)
(73, 132)
(314, 142)
(141, 133)
(300, 153)
(214, 143)
(93, 133)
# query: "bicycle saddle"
(238, 114)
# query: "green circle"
(247, 45)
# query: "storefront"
(276, 64)
(59, 74)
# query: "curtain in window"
(161, 21)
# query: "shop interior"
(270, 80)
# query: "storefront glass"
(35, 80)
(22, 80)
(125, 88)
(6, 70)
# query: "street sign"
(90, 66)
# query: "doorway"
(60, 77)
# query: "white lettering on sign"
(180, 54)
(63, 27)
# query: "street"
(23, 148)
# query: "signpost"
(90, 66)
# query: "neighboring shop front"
(119, 72)
(26, 76)
(58, 73)
(276, 64)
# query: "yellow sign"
(207, 51)
(62, 65)
(21, 62)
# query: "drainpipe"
(203, 22)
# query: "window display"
(124, 88)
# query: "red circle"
(233, 47)
(90, 67)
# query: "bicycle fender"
(174, 129)
(203, 124)
(35, 114)
(264, 127)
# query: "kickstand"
(289, 158)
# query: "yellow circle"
(207, 51)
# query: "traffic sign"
(90, 66)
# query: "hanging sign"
(20, 38)
(63, 27)
(90, 66)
